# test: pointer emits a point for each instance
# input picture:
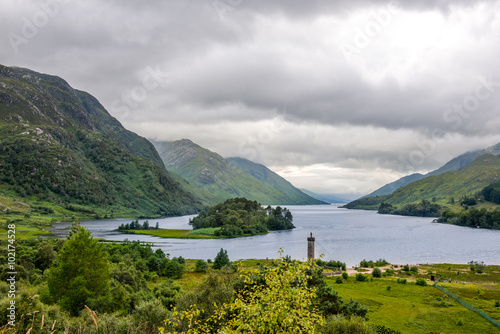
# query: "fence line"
(467, 305)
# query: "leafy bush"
(345, 275)
(331, 263)
(384, 330)
(371, 264)
(339, 280)
(377, 273)
(468, 201)
(477, 266)
(201, 266)
(360, 277)
(401, 280)
(421, 282)
(340, 324)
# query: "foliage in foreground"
(285, 297)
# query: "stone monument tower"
(310, 247)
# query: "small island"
(241, 217)
(236, 217)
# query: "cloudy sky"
(337, 96)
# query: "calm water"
(341, 234)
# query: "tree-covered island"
(240, 216)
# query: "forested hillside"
(60, 147)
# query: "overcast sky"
(336, 96)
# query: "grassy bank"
(201, 233)
(175, 233)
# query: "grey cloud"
(254, 59)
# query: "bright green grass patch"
(23, 232)
(202, 233)
(171, 233)
(205, 231)
(480, 295)
(410, 308)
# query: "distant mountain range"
(462, 176)
(452, 165)
(326, 197)
(59, 145)
(215, 179)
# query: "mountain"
(452, 165)
(393, 186)
(465, 159)
(445, 188)
(328, 198)
(59, 145)
(272, 179)
(214, 179)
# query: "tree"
(221, 260)
(82, 271)
(44, 256)
(201, 266)
(280, 300)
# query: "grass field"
(410, 308)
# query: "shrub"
(414, 270)
(201, 266)
(497, 303)
(384, 330)
(402, 280)
(388, 272)
(339, 280)
(360, 277)
(221, 260)
(173, 269)
(339, 324)
(477, 266)
(345, 275)
(377, 273)
(421, 282)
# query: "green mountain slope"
(464, 159)
(393, 186)
(213, 178)
(452, 165)
(466, 181)
(269, 177)
(442, 188)
(60, 146)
